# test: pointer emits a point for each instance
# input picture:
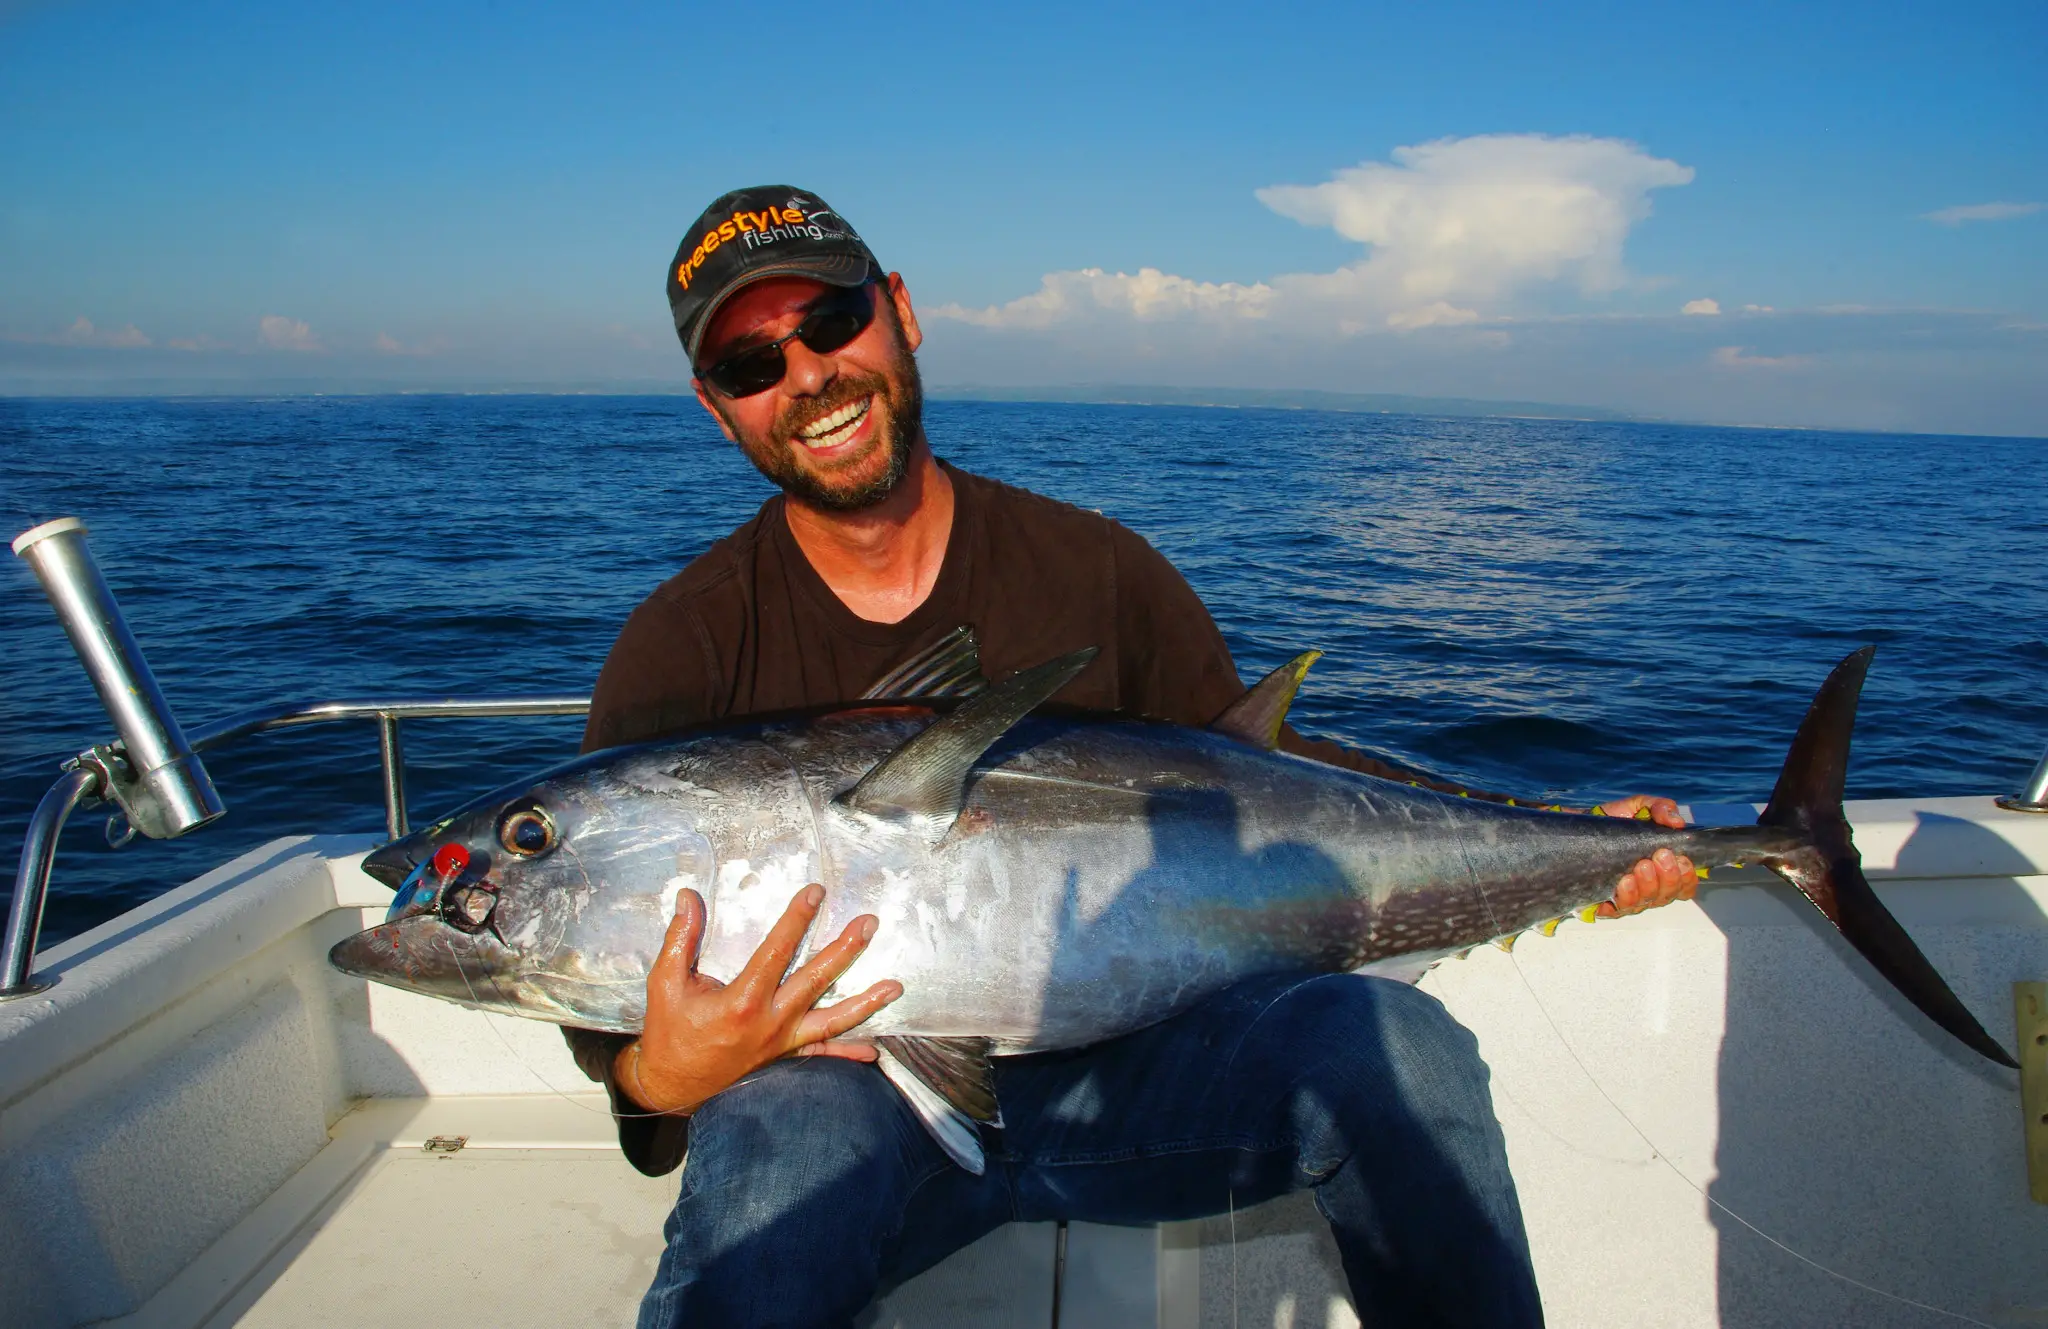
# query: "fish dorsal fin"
(1256, 717)
(928, 775)
(949, 667)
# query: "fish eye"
(526, 831)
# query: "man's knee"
(1370, 1064)
(790, 1176)
(822, 1119)
(1351, 1009)
(1374, 1032)
(1409, 1021)
(805, 1133)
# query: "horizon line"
(1331, 401)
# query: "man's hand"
(702, 1036)
(1658, 879)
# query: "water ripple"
(1544, 607)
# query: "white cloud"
(278, 333)
(81, 332)
(1701, 307)
(1738, 357)
(386, 344)
(1980, 212)
(1455, 228)
(1150, 295)
(1481, 217)
(1435, 314)
(1947, 371)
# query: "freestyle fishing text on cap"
(765, 231)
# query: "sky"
(1817, 214)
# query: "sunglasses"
(830, 325)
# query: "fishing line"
(528, 1067)
(520, 1057)
(1557, 1032)
(676, 1197)
(1701, 1191)
(1529, 1114)
(608, 1110)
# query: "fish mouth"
(422, 954)
(364, 955)
(394, 862)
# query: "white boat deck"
(202, 1124)
(538, 1222)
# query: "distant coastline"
(1104, 394)
(19, 386)
(1282, 399)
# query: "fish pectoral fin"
(949, 667)
(957, 1069)
(951, 1128)
(1256, 717)
(928, 775)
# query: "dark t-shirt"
(750, 627)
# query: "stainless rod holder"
(2033, 798)
(164, 790)
(32, 882)
(391, 754)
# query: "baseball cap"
(765, 231)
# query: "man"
(809, 1183)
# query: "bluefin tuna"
(1044, 880)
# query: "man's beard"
(781, 457)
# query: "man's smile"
(837, 428)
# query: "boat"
(1714, 1114)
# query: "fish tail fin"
(1828, 870)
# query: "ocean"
(1565, 609)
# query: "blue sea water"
(1558, 608)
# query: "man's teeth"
(837, 427)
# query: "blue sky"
(1479, 200)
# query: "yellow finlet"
(1549, 926)
(1506, 943)
(1589, 913)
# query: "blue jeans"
(810, 1186)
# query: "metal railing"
(152, 772)
(2033, 798)
(386, 712)
(90, 777)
